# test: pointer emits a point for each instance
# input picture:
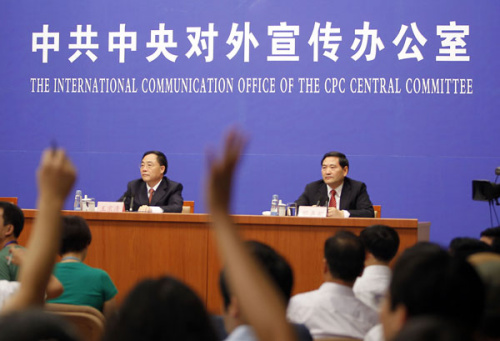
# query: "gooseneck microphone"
(131, 203)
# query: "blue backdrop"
(416, 144)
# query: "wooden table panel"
(132, 246)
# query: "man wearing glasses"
(154, 192)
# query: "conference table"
(132, 246)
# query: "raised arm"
(261, 302)
(55, 177)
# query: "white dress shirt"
(338, 191)
(7, 289)
(332, 310)
(242, 333)
(154, 209)
(372, 285)
(375, 334)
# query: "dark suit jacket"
(354, 197)
(168, 195)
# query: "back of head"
(381, 241)
(431, 328)
(273, 263)
(12, 214)
(32, 325)
(161, 309)
(488, 267)
(463, 247)
(345, 256)
(76, 235)
(427, 280)
(493, 232)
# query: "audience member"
(280, 272)
(83, 285)
(381, 245)
(463, 247)
(55, 177)
(261, 302)
(488, 267)
(333, 310)
(11, 226)
(427, 280)
(161, 309)
(491, 236)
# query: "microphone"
(131, 203)
(497, 171)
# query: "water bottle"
(274, 205)
(78, 201)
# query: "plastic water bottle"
(78, 201)
(274, 205)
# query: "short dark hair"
(427, 280)
(12, 214)
(345, 255)
(381, 241)
(273, 263)
(431, 328)
(76, 235)
(343, 162)
(162, 159)
(463, 247)
(35, 324)
(161, 309)
(493, 232)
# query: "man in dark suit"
(343, 196)
(154, 192)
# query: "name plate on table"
(110, 206)
(313, 211)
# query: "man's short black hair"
(345, 256)
(381, 241)
(273, 263)
(36, 324)
(76, 235)
(427, 280)
(161, 309)
(162, 159)
(493, 232)
(12, 214)
(463, 247)
(343, 162)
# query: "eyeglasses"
(147, 165)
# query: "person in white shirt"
(381, 244)
(333, 310)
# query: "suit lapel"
(322, 195)
(344, 197)
(159, 193)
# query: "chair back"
(188, 207)
(88, 321)
(9, 199)
(377, 210)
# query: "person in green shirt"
(83, 285)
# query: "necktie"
(333, 202)
(151, 191)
